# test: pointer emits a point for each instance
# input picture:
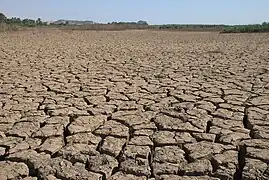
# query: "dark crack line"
(86, 101)
(120, 159)
(208, 126)
(247, 123)
(242, 151)
(66, 131)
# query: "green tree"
(13, 20)
(3, 18)
(29, 22)
(38, 22)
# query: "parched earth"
(134, 105)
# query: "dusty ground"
(134, 105)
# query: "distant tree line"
(264, 27)
(193, 26)
(21, 22)
(190, 27)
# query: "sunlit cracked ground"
(134, 105)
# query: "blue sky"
(153, 11)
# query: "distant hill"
(72, 22)
(77, 22)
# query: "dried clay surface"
(134, 105)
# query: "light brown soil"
(134, 105)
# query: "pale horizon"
(154, 12)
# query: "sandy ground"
(134, 105)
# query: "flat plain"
(134, 105)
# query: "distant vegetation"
(21, 22)
(14, 23)
(191, 27)
(252, 28)
(3, 18)
(256, 28)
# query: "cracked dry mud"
(134, 105)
